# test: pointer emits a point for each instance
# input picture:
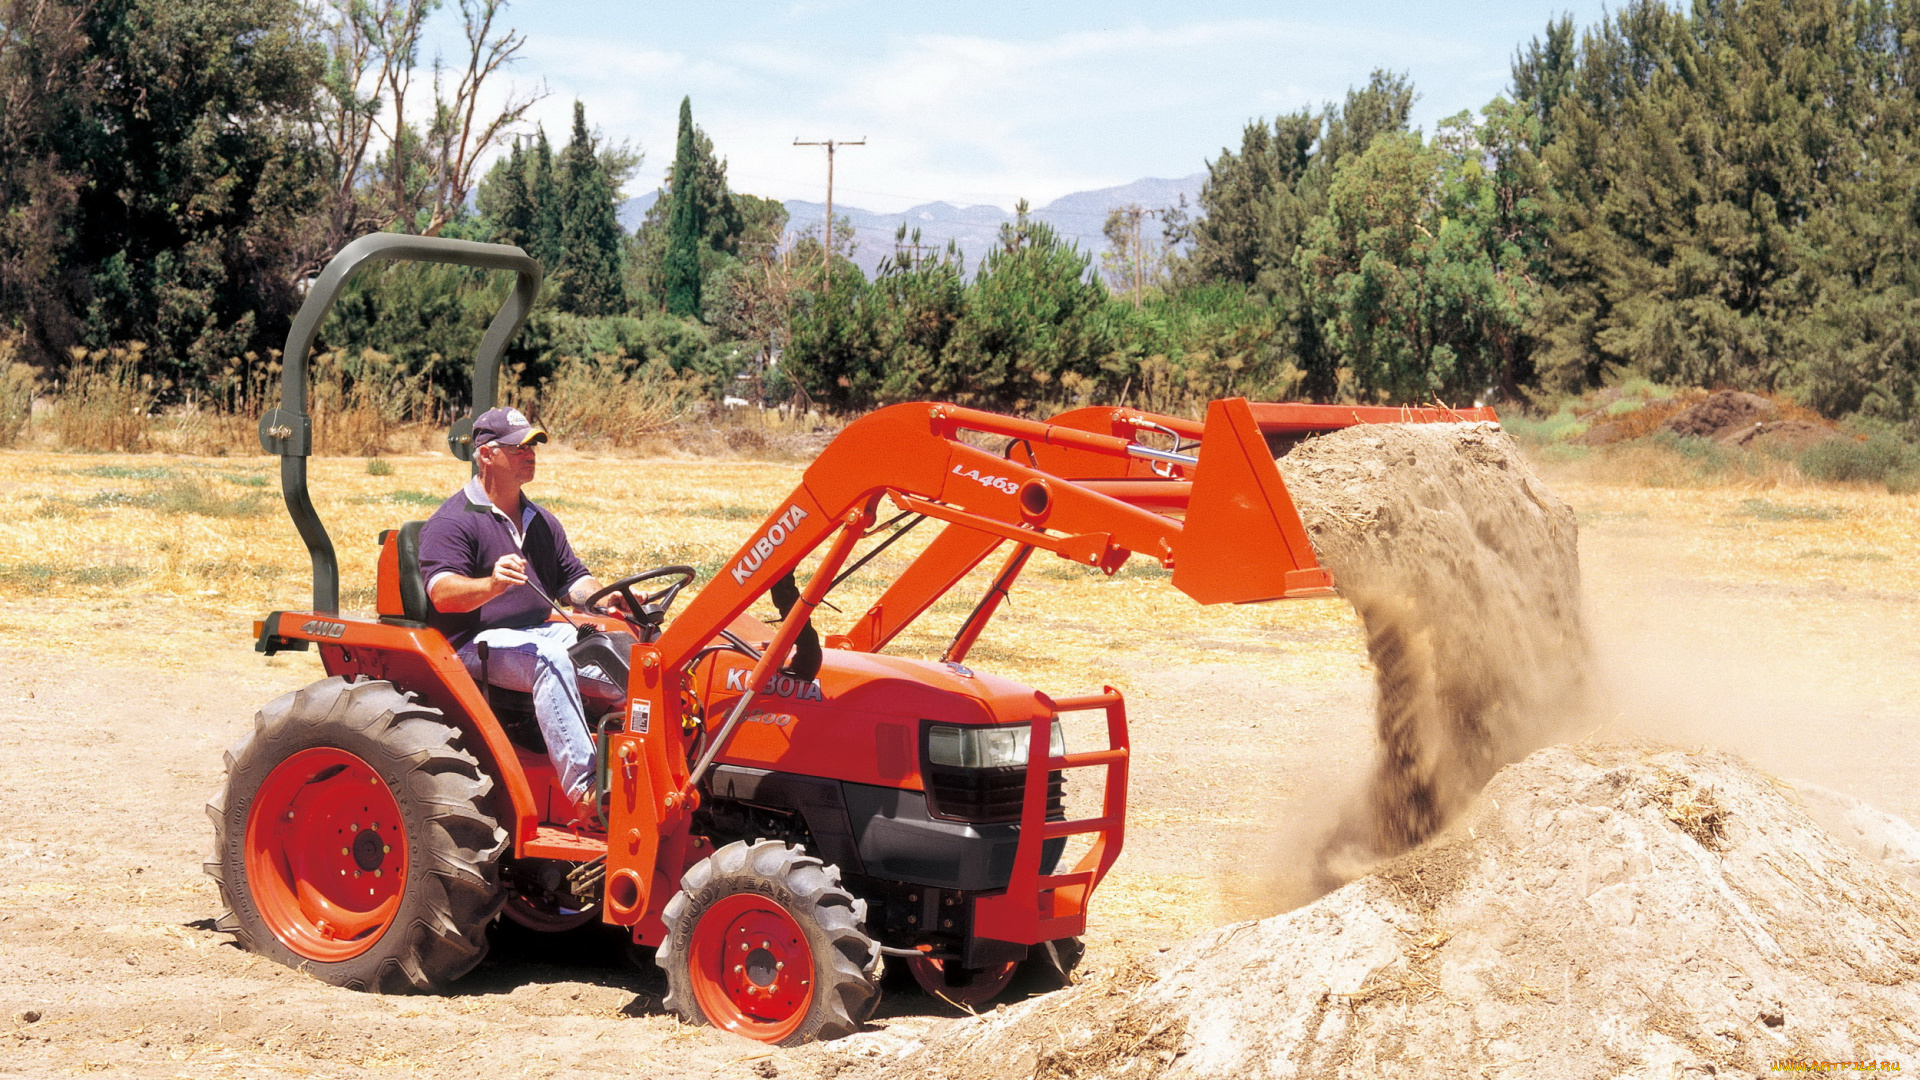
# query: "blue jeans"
(534, 660)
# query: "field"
(1783, 623)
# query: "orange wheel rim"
(326, 854)
(752, 968)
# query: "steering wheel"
(651, 608)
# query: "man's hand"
(589, 585)
(508, 570)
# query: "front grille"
(987, 795)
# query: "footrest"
(553, 842)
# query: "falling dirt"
(1465, 570)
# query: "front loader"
(779, 812)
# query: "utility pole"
(831, 145)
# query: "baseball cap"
(508, 427)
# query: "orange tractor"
(776, 816)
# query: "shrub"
(1880, 458)
(601, 402)
(356, 401)
(379, 467)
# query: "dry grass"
(1807, 535)
(105, 401)
(1693, 808)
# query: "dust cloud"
(1808, 680)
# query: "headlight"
(987, 747)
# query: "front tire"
(352, 840)
(763, 941)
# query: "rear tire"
(352, 840)
(763, 941)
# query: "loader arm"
(913, 455)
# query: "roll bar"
(288, 430)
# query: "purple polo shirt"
(468, 534)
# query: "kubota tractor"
(776, 816)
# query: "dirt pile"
(1749, 420)
(1600, 912)
(1465, 569)
(1723, 412)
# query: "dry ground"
(1784, 624)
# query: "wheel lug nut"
(779, 965)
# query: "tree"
(202, 178)
(724, 220)
(1420, 271)
(48, 84)
(1259, 204)
(543, 187)
(1732, 203)
(426, 169)
(1543, 73)
(506, 200)
(1135, 260)
(1036, 325)
(756, 302)
(686, 224)
(590, 234)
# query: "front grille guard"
(1046, 907)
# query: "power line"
(831, 145)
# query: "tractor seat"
(401, 597)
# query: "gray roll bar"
(288, 430)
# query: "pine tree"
(543, 187)
(507, 200)
(1261, 202)
(1543, 73)
(686, 224)
(1732, 200)
(590, 233)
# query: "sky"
(990, 101)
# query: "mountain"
(634, 210)
(1079, 217)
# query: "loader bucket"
(1242, 540)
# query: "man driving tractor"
(492, 559)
